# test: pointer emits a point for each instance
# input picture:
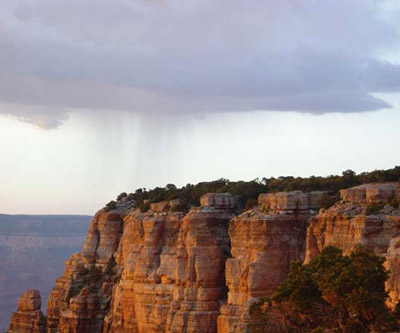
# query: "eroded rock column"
(81, 297)
(264, 240)
(29, 317)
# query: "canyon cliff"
(167, 270)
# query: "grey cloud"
(195, 56)
(42, 116)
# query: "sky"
(99, 97)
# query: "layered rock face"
(371, 193)
(351, 221)
(173, 275)
(348, 223)
(28, 318)
(81, 297)
(392, 264)
(168, 271)
(165, 270)
(264, 242)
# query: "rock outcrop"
(368, 215)
(264, 242)
(371, 193)
(81, 297)
(392, 264)
(174, 265)
(351, 221)
(166, 270)
(29, 317)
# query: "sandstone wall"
(348, 223)
(371, 193)
(174, 267)
(169, 271)
(28, 317)
(199, 271)
(264, 242)
(81, 297)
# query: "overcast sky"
(99, 97)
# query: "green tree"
(333, 292)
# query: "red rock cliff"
(158, 271)
(368, 215)
(169, 271)
(264, 242)
(28, 317)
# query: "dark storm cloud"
(195, 56)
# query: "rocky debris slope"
(28, 318)
(166, 270)
(264, 242)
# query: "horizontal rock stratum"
(166, 270)
(28, 318)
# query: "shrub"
(110, 268)
(122, 195)
(144, 206)
(327, 200)
(73, 291)
(183, 206)
(332, 293)
(94, 274)
(250, 203)
(82, 271)
(394, 202)
(110, 206)
(373, 209)
(248, 191)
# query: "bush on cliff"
(248, 191)
(327, 200)
(333, 293)
(110, 206)
(122, 195)
(394, 202)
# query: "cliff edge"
(166, 270)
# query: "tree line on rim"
(248, 191)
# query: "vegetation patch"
(334, 293)
(248, 191)
(394, 202)
(73, 291)
(327, 200)
(373, 209)
(110, 206)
